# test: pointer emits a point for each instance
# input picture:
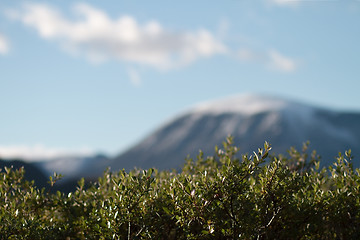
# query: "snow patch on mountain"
(247, 104)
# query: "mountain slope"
(251, 119)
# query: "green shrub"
(218, 197)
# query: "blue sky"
(82, 77)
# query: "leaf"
(81, 183)
(166, 210)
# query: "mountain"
(71, 167)
(32, 172)
(251, 119)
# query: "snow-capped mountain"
(251, 119)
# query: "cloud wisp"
(135, 78)
(280, 62)
(4, 45)
(93, 34)
(284, 3)
(273, 59)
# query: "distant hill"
(251, 119)
(32, 172)
(71, 168)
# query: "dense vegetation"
(254, 196)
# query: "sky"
(98, 76)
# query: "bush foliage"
(223, 196)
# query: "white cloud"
(40, 152)
(4, 45)
(98, 37)
(271, 58)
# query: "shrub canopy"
(256, 196)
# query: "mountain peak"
(249, 104)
